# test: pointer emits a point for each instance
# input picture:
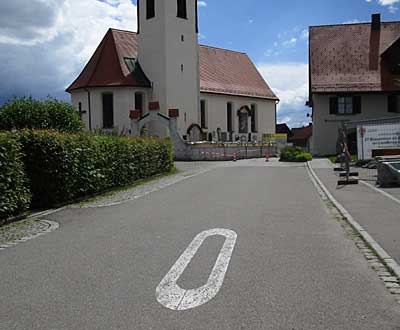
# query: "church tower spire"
(168, 54)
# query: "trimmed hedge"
(27, 113)
(14, 194)
(295, 154)
(63, 167)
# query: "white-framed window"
(345, 105)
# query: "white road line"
(171, 296)
(384, 193)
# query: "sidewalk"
(378, 214)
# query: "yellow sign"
(274, 137)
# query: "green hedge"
(14, 194)
(21, 113)
(63, 167)
(295, 154)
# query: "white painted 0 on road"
(168, 292)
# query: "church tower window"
(150, 9)
(182, 9)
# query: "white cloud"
(290, 42)
(352, 21)
(287, 40)
(290, 82)
(304, 34)
(44, 43)
(201, 3)
(389, 3)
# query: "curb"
(51, 226)
(376, 247)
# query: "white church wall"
(81, 97)
(217, 113)
(124, 101)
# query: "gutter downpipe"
(276, 112)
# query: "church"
(218, 93)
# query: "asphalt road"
(291, 268)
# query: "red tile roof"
(107, 66)
(228, 72)
(302, 133)
(221, 71)
(347, 57)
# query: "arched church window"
(229, 117)
(254, 118)
(150, 9)
(182, 9)
(203, 114)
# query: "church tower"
(168, 54)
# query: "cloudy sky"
(44, 44)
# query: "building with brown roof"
(219, 93)
(302, 137)
(354, 75)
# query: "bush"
(14, 194)
(21, 113)
(294, 154)
(63, 167)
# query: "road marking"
(168, 292)
(384, 193)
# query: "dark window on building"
(182, 10)
(203, 114)
(150, 9)
(139, 102)
(243, 121)
(394, 103)
(197, 18)
(254, 114)
(108, 111)
(345, 105)
(81, 112)
(229, 111)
